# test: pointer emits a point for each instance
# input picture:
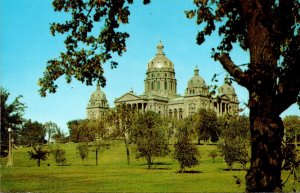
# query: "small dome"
(160, 60)
(98, 95)
(226, 88)
(197, 81)
(98, 99)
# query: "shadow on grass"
(189, 172)
(157, 164)
(234, 169)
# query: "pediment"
(127, 97)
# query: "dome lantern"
(160, 49)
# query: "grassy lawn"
(114, 175)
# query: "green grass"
(114, 175)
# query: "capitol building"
(161, 95)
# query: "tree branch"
(236, 72)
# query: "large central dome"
(160, 76)
(160, 60)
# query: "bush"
(38, 153)
(213, 154)
(83, 151)
(186, 153)
(59, 155)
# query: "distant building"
(97, 105)
(161, 92)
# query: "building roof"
(196, 81)
(160, 60)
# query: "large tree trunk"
(266, 127)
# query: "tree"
(51, 128)
(269, 31)
(123, 117)
(99, 146)
(59, 155)
(149, 138)
(59, 136)
(206, 125)
(185, 151)
(86, 52)
(11, 116)
(213, 154)
(32, 133)
(38, 153)
(292, 128)
(235, 136)
(83, 151)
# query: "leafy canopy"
(92, 38)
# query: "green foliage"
(59, 136)
(99, 146)
(206, 125)
(122, 118)
(292, 128)
(186, 153)
(59, 155)
(87, 51)
(83, 151)
(87, 130)
(11, 116)
(235, 137)
(32, 133)
(213, 154)
(149, 138)
(112, 168)
(38, 153)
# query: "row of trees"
(24, 132)
(143, 131)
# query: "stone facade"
(161, 92)
(161, 96)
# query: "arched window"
(170, 113)
(166, 85)
(152, 85)
(158, 85)
(180, 113)
(175, 113)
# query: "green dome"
(160, 60)
(98, 98)
(196, 81)
(226, 89)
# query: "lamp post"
(9, 162)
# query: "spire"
(227, 80)
(160, 49)
(196, 71)
(98, 85)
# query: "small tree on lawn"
(213, 154)
(235, 139)
(185, 151)
(99, 146)
(38, 153)
(59, 155)
(206, 125)
(83, 151)
(149, 138)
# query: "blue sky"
(26, 45)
